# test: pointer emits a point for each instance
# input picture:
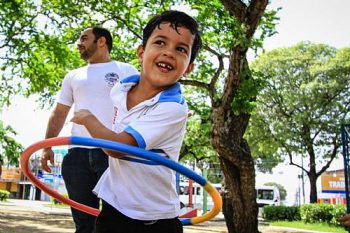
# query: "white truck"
(267, 195)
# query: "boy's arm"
(98, 130)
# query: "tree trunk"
(240, 208)
(313, 188)
(239, 204)
(313, 178)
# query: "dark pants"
(111, 220)
(81, 169)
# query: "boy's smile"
(166, 56)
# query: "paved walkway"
(13, 206)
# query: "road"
(24, 216)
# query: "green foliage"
(338, 212)
(47, 62)
(4, 195)
(38, 38)
(281, 213)
(301, 107)
(196, 143)
(196, 146)
(316, 213)
(327, 213)
(250, 86)
(282, 190)
(16, 24)
(308, 213)
(9, 148)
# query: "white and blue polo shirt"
(139, 191)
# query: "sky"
(317, 21)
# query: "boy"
(149, 113)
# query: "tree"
(302, 106)
(230, 115)
(33, 56)
(281, 189)
(9, 148)
(222, 84)
(196, 148)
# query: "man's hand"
(46, 156)
(80, 116)
(345, 220)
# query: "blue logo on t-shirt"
(111, 79)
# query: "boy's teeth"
(165, 66)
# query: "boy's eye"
(159, 42)
(182, 50)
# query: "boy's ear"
(139, 52)
(189, 69)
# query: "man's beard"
(88, 52)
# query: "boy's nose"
(168, 53)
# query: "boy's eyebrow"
(166, 38)
(83, 36)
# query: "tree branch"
(254, 13)
(212, 89)
(236, 8)
(333, 154)
(195, 83)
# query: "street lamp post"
(345, 143)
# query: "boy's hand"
(80, 116)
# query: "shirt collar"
(171, 94)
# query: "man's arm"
(54, 127)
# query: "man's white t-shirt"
(140, 191)
(89, 88)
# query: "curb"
(204, 229)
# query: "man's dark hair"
(102, 32)
(176, 19)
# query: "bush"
(322, 213)
(313, 213)
(308, 213)
(281, 213)
(4, 195)
(338, 212)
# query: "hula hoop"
(149, 156)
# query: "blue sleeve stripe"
(138, 137)
(144, 161)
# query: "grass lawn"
(321, 227)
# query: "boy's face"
(166, 56)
